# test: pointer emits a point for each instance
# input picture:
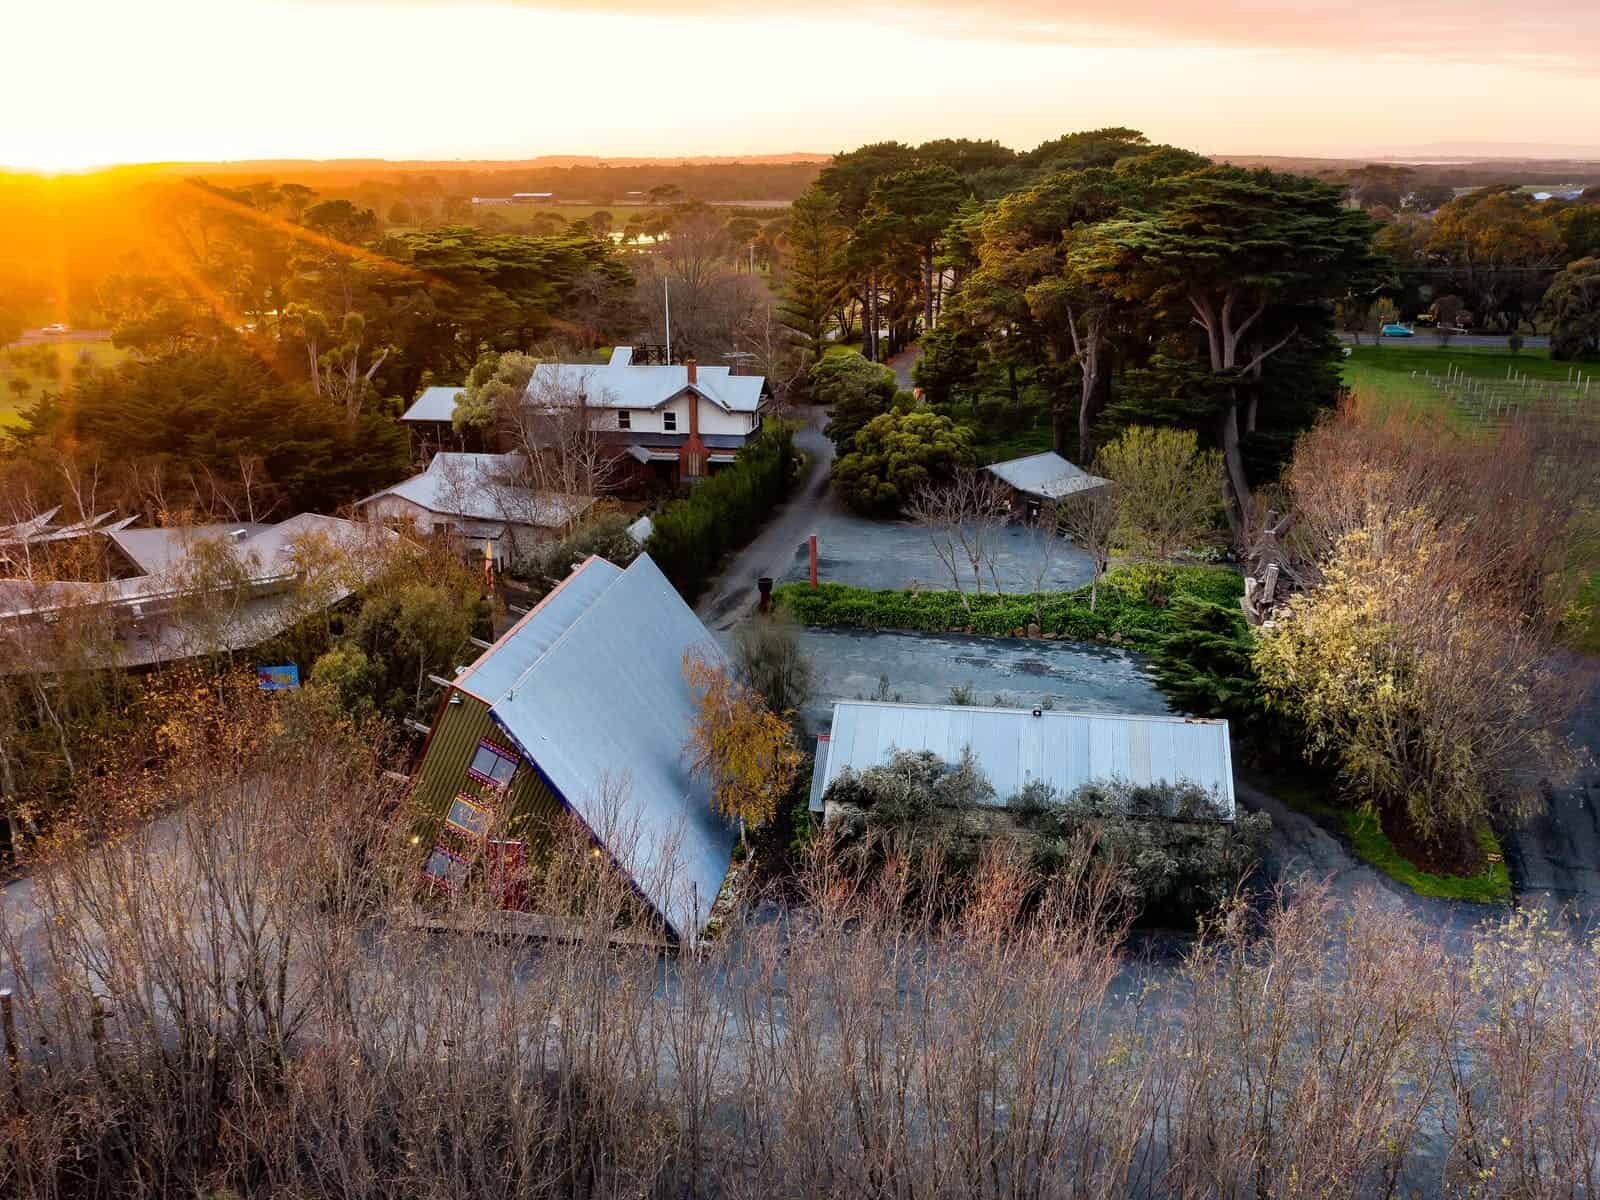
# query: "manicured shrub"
(1136, 608)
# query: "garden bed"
(1362, 829)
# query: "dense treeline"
(1494, 259)
(1113, 281)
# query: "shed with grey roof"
(1016, 747)
(1040, 481)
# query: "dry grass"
(225, 1004)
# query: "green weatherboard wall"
(527, 809)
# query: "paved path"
(773, 551)
(902, 363)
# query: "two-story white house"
(676, 423)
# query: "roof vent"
(238, 535)
(1038, 712)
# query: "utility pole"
(666, 292)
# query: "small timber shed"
(582, 708)
(1039, 482)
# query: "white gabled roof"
(1013, 747)
(435, 404)
(619, 384)
(1046, 475)
(481, 487)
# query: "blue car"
(1396, 331)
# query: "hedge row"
(1133, 606)
(722, 513)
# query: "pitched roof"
(157, 550)
(524, 643)
(479, 487)
(1046, 475)
(1013, 747)
(435, 404)
(623, 385)
(590, 688)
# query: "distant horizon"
(1443, 154)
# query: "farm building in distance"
(581, 708)
(1015, 747)
(430, 420)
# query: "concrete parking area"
(897, 555)
(921, 668)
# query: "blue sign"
(278, 679)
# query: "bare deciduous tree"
(1089, 518)
(962, 518)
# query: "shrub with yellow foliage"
(748, 751)
(1438, 705)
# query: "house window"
(468, 817)
(492, 765)
(445, 870)
(624, 419)
(669, 422)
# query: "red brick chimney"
(692, 458)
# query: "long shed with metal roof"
(1016, 747)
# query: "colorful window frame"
(445, 869)
(468, 817)
(493, 765)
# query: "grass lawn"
(43, 368)
(1385, 370)
(1372, 846)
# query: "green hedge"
(722, 513)
(1134, 607)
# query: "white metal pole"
(666, 290)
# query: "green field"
(43, 367)
(1393, 372)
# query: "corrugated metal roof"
(1046, 475)
(607, 701)
(628, 386)
(522, 645)
(1013, 747)
(819, 772)
(156, 550)
(435, 404)
(480, 487)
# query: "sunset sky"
(100, 81)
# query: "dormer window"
(669, 421)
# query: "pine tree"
(816, 241)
